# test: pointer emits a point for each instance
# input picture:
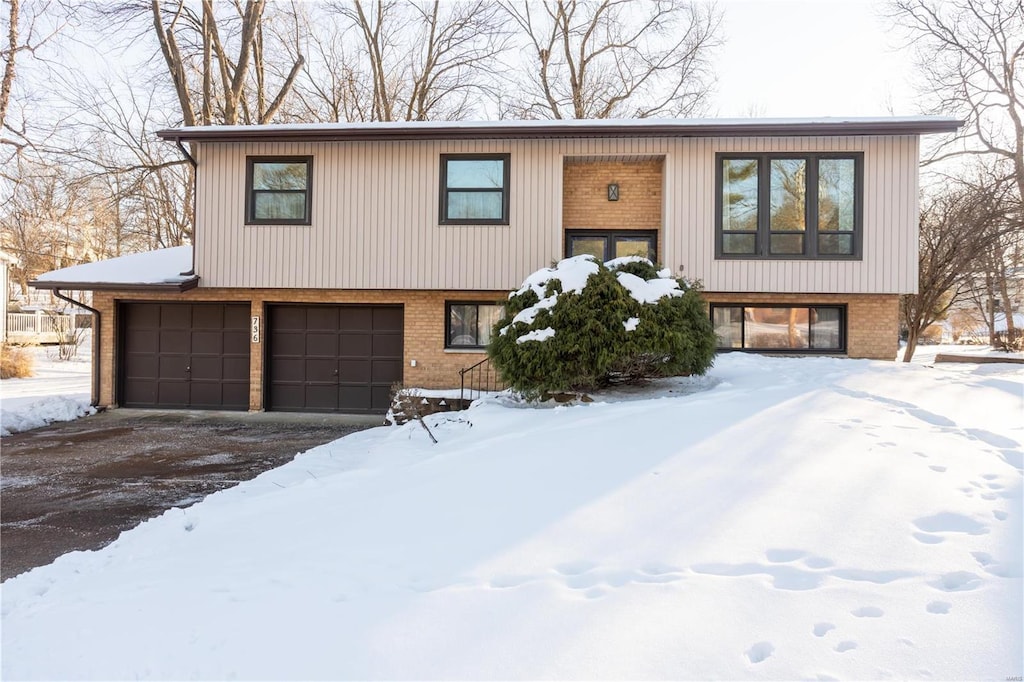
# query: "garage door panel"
(356, 345)
(288, 318)
(174, 340)
(322, 318)
(285, 369)
(357, 319)
(174, 355)
(341, 348)
(288, 344)
(388, 345)
(319, 344)
(388, 319)
(175, 316)
(321, 397)
(386, 371)
(142, 366)
(354, 371)
(207, 343)
(142, 338)
(140, 392)
(237, 370)
(173, 393)
(237, 343)
(142, 316)
(208, 317)
(380, 398)
(172, 366)
(206, 368)
(355, 398)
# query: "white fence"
(43, 327)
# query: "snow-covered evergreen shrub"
(582, 325)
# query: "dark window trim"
(762, 237)
(442, 203)
(448, 316)
(250, 195)
(609, 234)
(843, 328)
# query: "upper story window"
(789, 206)
(278, 190)
(606, 245)
(474, 189)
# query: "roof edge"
(561, 129)
(181, 286)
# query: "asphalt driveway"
(77, 485)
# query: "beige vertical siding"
(375, 217)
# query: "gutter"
(94, 399)
(195, 186)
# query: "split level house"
(331, 261)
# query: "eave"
(361, 132)
(172, 287)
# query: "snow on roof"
(569, 127)
(153, 268)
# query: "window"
(780, 328)
(278, 190)
(609, 245)
(789, 206)
(470, 324)
(474, 189)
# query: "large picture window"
(780, 328)
(469, 324)
(789, 206)
(474, 189)
(278, 190)
(608, 245)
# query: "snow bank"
(804, 518)
(22, 415)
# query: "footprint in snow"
(936, 467)
(846, 645)
(782, 556)
(1000, 515)
(575, 567)
(868, 612)
(940, 607)
(760, 652)
(957, 581)
(950, 522)
(928, 539)
(822, 629)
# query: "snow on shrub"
(581, 325)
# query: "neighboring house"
(6, 261)
(332, 261)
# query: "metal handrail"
(481, 378)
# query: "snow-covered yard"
(796, 518)
(59, 391)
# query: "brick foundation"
(872, 320)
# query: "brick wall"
(424, 329)
(585, 194)
(872, 320)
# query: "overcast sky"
(812, 58)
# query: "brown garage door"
(333, 358)
(185, 355)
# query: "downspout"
(95, 397)
(195, 186)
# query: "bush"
(15, 362)
(581, 325)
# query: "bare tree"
(614, 58)
(396, 60)
(971, 53)
(957, 229)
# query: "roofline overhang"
(565, 129)
(184, 285)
